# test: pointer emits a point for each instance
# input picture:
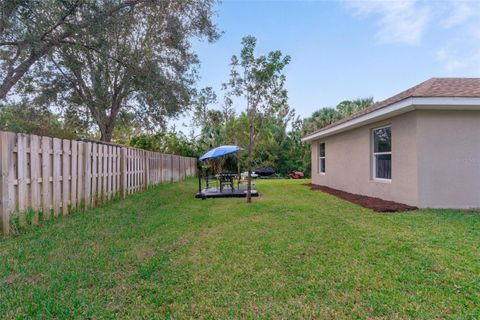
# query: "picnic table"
(227, 179)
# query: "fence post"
(123, 171)
(7, 141)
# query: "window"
(382, 153)
(321, 158)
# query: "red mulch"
(376, 204)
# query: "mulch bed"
(376, 204)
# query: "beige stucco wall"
(448, 158)
(349, 158)
(435, 160)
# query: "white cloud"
(402, 22)
(458, 13)
(460, 54)
(460, 60)
(406, 22)
(450, 60)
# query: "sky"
(347, 49)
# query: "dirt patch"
(11, 279)
(34, 278)
(172, 247)
(376, 204)
(145, 254)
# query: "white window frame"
(374, 154)
(320, 158)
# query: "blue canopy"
(220, 152)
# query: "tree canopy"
(325, 116)
(30, 30)
(107, 60)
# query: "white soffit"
(406, 105)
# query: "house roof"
(432, 88)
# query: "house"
(420, 147)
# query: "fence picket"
(87, 174)
(94, 174)
(7, 143)
(79, 174)
(73, 174)
(128, 166)
(21, 176)
(104, 172)
(146, 158)
(123, 170)
(110, 171)
(114, 171)
(56, 168)
(46, 174)
(135, 170)
(137, 166)
(100, 173)
(65, 176)
(35, 168)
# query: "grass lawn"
(293, 253)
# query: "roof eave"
(397, 108)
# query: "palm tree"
(320, 118)
(348, 107)
(326, 116)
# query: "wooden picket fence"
(54, 176)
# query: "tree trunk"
(16, 74)
(106, 133)
(107, 123)
(249, 160)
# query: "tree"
(205, 97)
(292, 153)
(142, 65)
(172, 142)
(31, 30)
(260, 81)
(326, 116)
(320, 119)
(347, 107)
(23, 118)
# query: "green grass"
(293, 253)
